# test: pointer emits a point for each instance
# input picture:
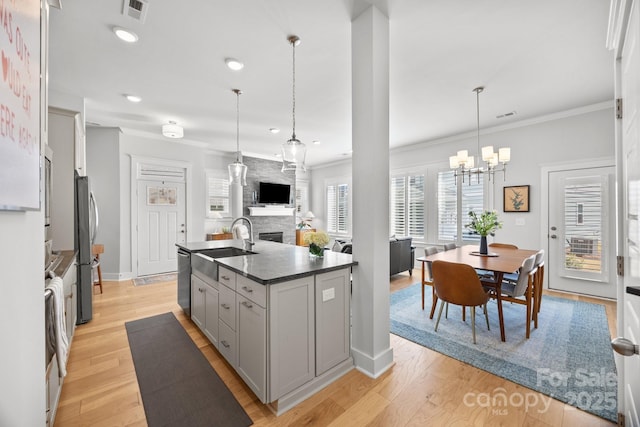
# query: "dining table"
(499, 260)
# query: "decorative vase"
(315, 250)
(483, 245)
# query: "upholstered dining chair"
(489, 274)
(520, 292)
(459, 284)
(539, 281)
(449, 246)
(428, 279)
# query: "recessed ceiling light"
(316, 142)
(274, 130)
(234, 64)
(278, 154)
(125, 35)
(133, 98)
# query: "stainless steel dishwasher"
(184, 280)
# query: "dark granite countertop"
(273, 262)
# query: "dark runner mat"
(178, 385)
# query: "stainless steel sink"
(225, 252)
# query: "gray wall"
(104, 173)
(268, 171)
(568, 137)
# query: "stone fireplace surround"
(268, 171)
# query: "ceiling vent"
(136, 9)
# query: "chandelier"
(293, 151)
(237, 169)
(465, 165)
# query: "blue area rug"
(569, 356)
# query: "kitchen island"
(279, 317)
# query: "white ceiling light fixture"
(237, 169)
(293, 151)
(125, 35)
(274, 130)
(172, 130)
(133, 98)
(463, 164)
(234, 64)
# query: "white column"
(370, 126)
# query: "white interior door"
(581, 231)
(629, 303)
(161, 224)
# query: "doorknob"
(553, 236)
(624, 347)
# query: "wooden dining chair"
(459, 284)
(503, 245)
(428, 280)
(520, 292)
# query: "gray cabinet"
(198, 296)
(204, 307)
(211, 314)
(285, 340)
(252, 345)
(69, 287)
(292, 337)
(332, 310)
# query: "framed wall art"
(516, 198)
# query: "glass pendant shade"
(294, 151)
(237, 169)
(293, 155)
(238, 173)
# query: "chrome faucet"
(244, 218)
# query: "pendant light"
(293, 151)
(464, 164)
(237, 169)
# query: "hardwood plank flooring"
(422, 388)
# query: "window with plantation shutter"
(455, 201)
(406, 198)
(217, 193)
(338, 208)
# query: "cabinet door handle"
(200, 289)
(225, 278)
(247, 289)
(246, 304)
(225, 306)
(224, 343)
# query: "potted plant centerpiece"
(316, 240)
(484, 224)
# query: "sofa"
(401, 255)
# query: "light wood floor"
(423, 388)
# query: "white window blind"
(407, 205)
(338, 208)
(217, 194)
(455, 201)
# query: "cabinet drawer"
(252, 290)
(227, 346)
(227, 277)
(227, 304)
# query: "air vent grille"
(136, 9)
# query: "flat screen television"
(274, 193)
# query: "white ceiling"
(533, 57)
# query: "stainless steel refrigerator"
(86, 227)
